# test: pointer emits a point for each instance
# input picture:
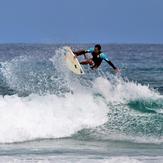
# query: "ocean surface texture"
(49, 114)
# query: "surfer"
(97, 57)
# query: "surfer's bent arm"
(105, 57)
(83, 52)
(80, 52)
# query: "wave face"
(41, 99)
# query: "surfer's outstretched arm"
(116, 69)
(104, 57)
(111, 64)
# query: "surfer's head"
(97, 48)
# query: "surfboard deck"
(72, 62)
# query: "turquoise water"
(48, 114)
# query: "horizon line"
(102, 43)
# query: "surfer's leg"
(84, 62)
(90, 62)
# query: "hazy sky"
(81, 21)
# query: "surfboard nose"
(72, 62)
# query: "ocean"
(49, 114)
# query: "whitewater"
(49, 114)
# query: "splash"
(51, 102)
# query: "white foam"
(122, 91)
(122, 160)
(48, 116)
(73, 159)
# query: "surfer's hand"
(75, 56)
(117, 70)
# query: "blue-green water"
(48, 114)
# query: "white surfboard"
(72, 62)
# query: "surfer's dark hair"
(98, 46)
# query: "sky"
(81, 21)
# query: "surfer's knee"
(90, 62)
